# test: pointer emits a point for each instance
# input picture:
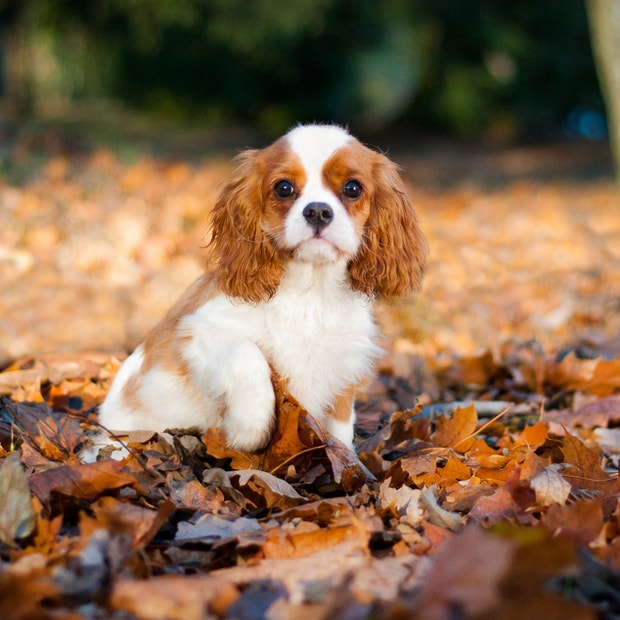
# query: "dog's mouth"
(318, 249)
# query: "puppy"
(306, 233)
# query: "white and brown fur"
(289, 293)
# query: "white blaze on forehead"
(315, 144)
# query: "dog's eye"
(352, 190)
(283, 189)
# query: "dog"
(305, 234)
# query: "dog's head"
(316, 195)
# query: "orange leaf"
(586, 472)
(307, 538)
(476, 370)
(533, 436)
(457, 431)
(454, 470)
(599, 377)
(176, 597)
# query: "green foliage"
(475, 68)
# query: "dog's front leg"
(235, 373)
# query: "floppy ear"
(390, 262)
(248, 264)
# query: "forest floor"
(485, 481)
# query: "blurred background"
(118, 119)
(483, 69)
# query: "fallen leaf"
(436, 514)
(174, 597)
(86, 481)
(493, 508)
(457, 431)
(550, 487)
(585, 471)
(306, 538)
(23, 596)
(212, 527)
(265, 490)
(192, 495)
(17, 517)
(465, 574)
(402, 502)
(598, 376)
(533, 436)
(580, 522)
(140, 524)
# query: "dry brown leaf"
(414, 467)
(477, 370)
(503, 502)
(465, 574)
(322, 511)
(22, 596)
(192, 495)
(81, 481)
(585, 471)
(454, 469)
(121, 517)
(532, 464)
(598, 413)
(174, 597)
(580, 521)
(264, 490)
(605, 379)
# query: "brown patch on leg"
(130, 395)
(343, 404)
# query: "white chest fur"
(315, 332)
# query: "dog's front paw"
(250, 419)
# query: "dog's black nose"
(318, 215)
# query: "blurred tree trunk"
(604, 18)
(17, 78)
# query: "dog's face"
(317, 195)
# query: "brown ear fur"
(391, 260)
(249, 265)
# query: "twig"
(486, 424)
(294, 456)
(141, 460)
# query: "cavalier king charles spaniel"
(306, 233)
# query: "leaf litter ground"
(485, 478)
